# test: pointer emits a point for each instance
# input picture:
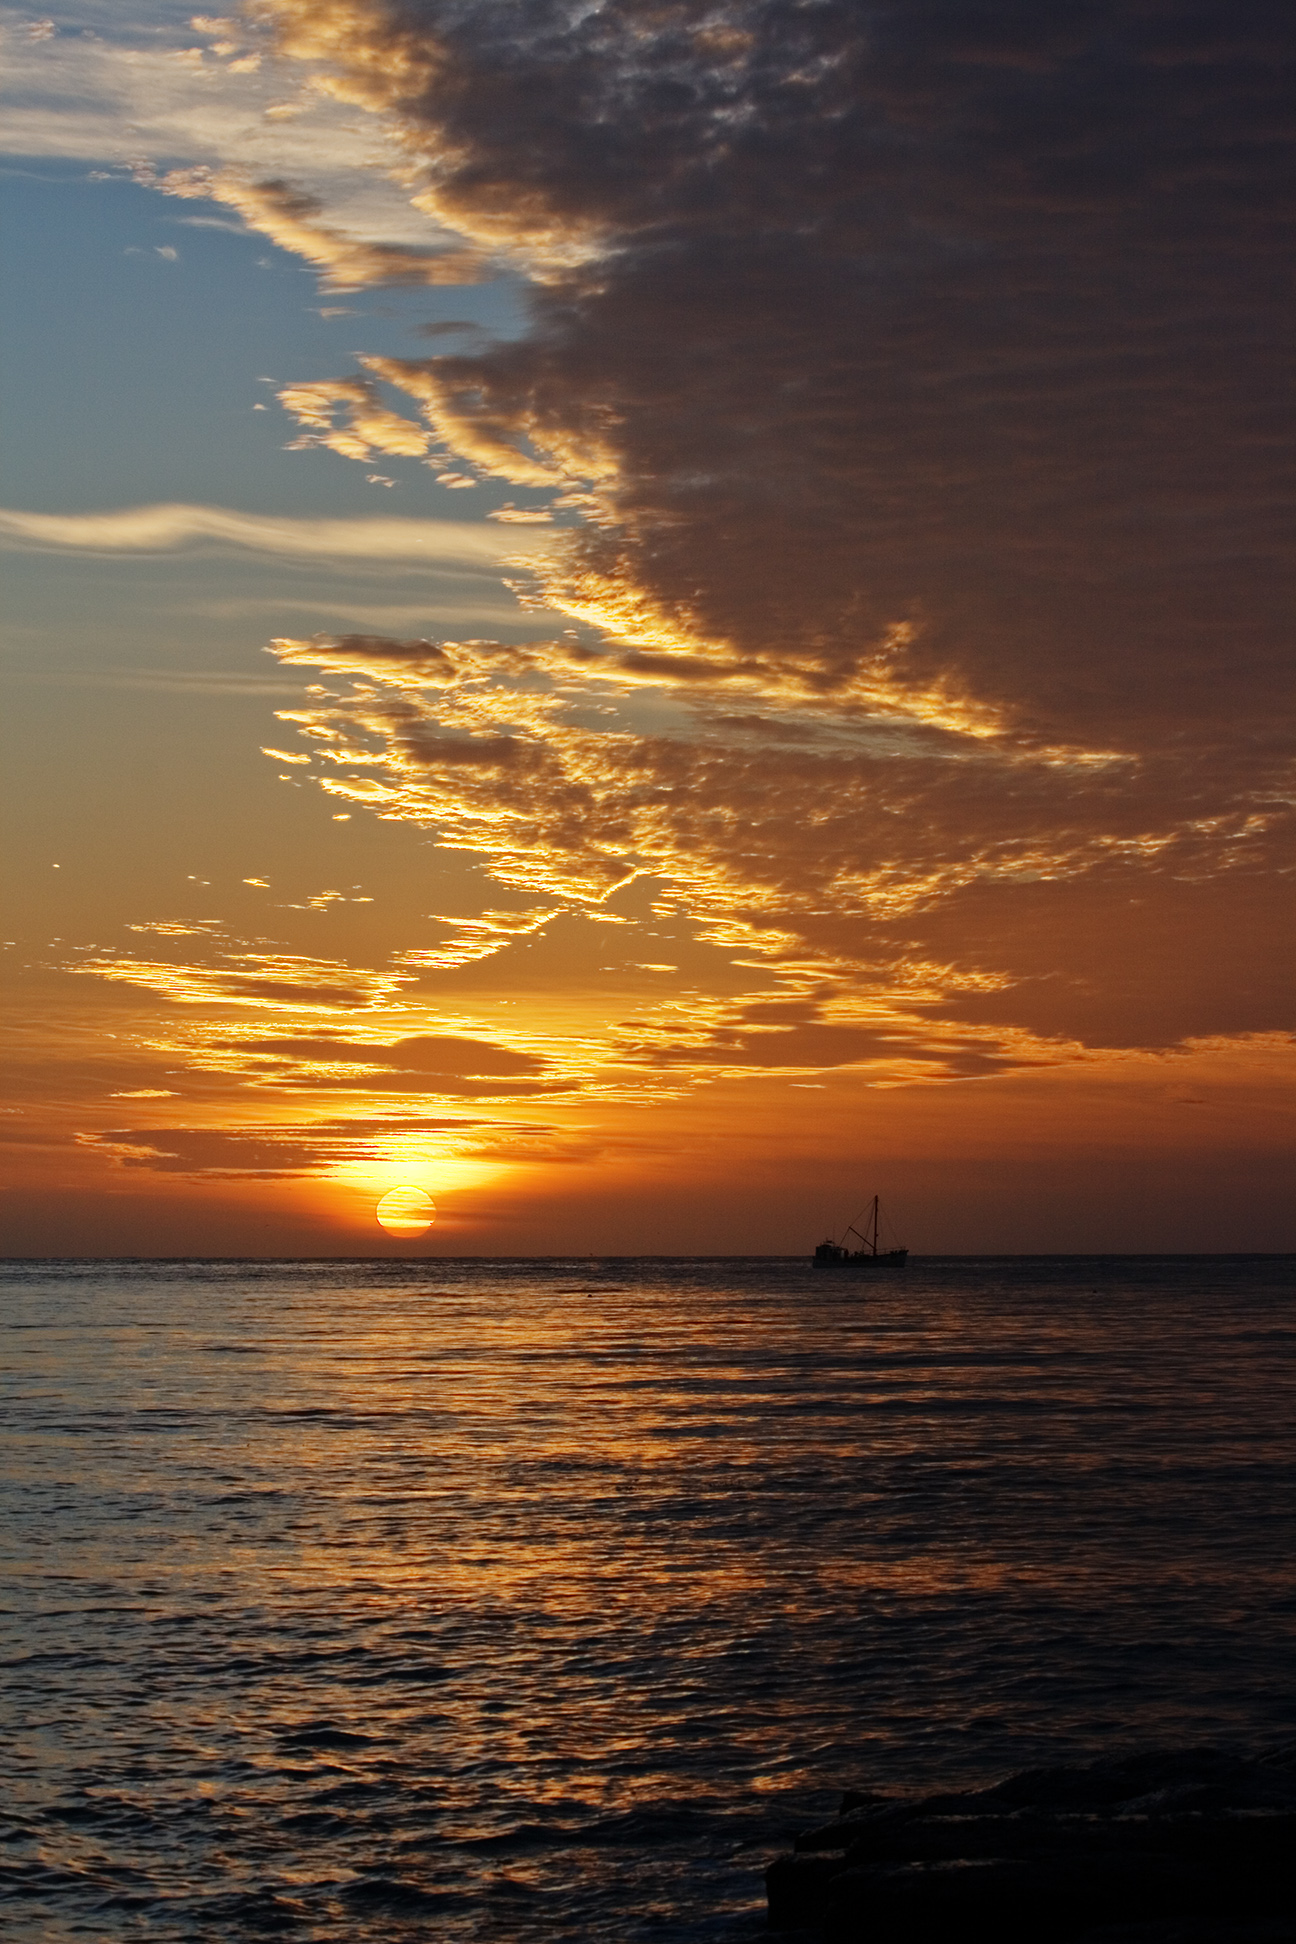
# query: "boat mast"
(875, 1224)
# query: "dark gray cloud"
(971, 317)
(923, 368)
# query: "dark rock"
(797, 1890)
(847, 1828)
(863, 1799)
(1170, 1846)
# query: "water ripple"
(537, 1601)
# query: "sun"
(406, 1211)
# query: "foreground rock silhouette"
(1173, 1846)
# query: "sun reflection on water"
(426, 1572)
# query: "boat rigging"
(870, 1255)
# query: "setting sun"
(406, 1211)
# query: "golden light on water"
(406, 1211)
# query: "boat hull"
(862, 1264)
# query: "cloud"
(135, 87)
(279, 981)
(492, 439)
(820, 1046)
(253, 1153)
(473, 939)
(441, 1065)
(275, 1151)
(813, 826)
(294, 220)
(370, 426)
(492, 605)
(439, 1054)
(180, 928)
(883, 332)
(163, 681)
(164, 528)
(912, 381)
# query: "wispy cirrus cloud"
(470, 940)
(143, 87)
(164, 528)
(276, 981)
(439, 1054)
(271, 1151)
(406, 1066)
(295, 221)
(872, 826)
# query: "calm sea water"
(540, 1600)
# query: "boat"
(869, 1256)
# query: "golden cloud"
(928, 568)
(294, 220)
(265, 980)
(159, 529)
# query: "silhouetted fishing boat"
(869, 1256)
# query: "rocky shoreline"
(1170, 1846)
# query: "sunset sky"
(649, 618)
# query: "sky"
(649, 618)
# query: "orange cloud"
(272, 1151)
(927, 586)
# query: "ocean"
(516, 1600)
